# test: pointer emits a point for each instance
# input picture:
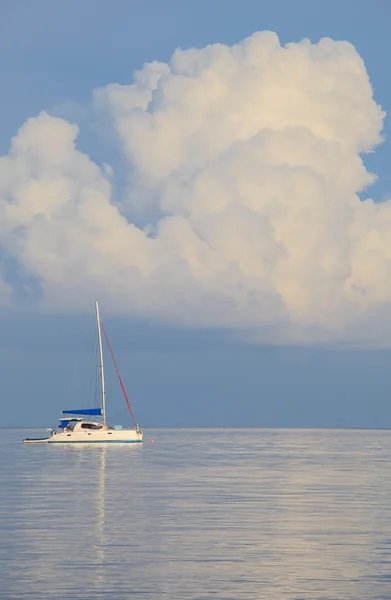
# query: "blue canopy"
(83, 411)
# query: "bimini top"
(83, 411)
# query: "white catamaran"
(76, 426)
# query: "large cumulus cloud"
(244, 167)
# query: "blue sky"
(53, 55)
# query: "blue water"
(199, 514)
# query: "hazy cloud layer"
(248, 159)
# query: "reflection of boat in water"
(77, 426)
(100, 514)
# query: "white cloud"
(250, 157)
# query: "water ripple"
(199, 514)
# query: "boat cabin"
(77, 424)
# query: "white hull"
(125, 436)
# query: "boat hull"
(101, 436)
(36, 440)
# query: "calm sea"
(198, 514)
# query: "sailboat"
(88, 425)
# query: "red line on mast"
(119, 376)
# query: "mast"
(101, 370)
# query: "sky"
(217, 175)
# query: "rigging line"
(118, 374)
(70, 387)
(92, 380)
(96, 371)
(70, 382)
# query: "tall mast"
(101, 370)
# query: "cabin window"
(70, 426)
